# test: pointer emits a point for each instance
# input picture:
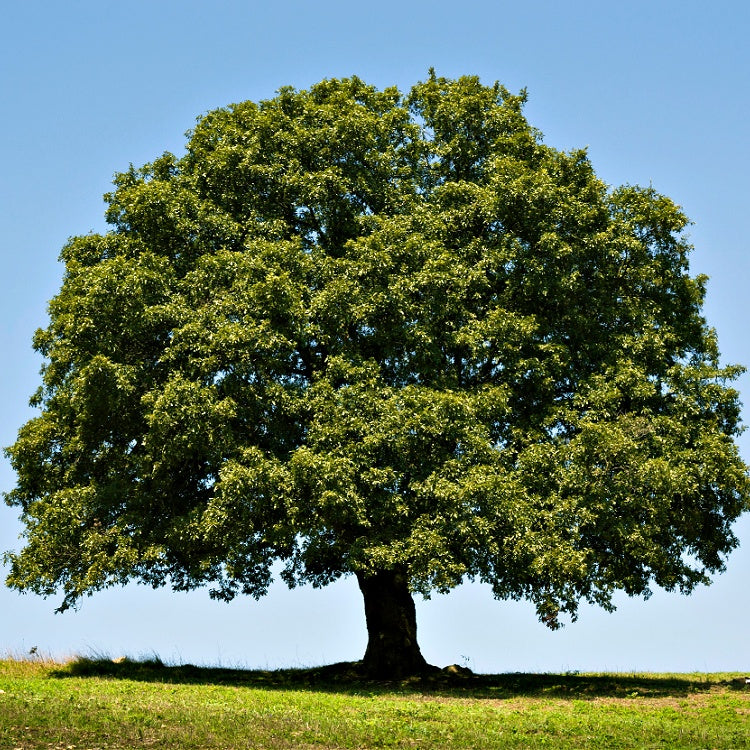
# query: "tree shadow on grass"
(453, 681)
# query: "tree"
(383, 335)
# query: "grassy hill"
(102, 704)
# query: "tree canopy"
(391, 335)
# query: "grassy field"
(101, 704)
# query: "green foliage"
(353, 330)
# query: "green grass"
(91, 704)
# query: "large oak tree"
(383, 335)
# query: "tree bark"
(392, 648)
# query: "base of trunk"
(392, 648)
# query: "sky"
(657, 90)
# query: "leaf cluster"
(356, 330)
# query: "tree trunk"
(392, 649)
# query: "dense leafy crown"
(355, 330)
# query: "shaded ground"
(346, 678)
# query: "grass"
(96, 703)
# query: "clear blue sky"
(658, 91)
